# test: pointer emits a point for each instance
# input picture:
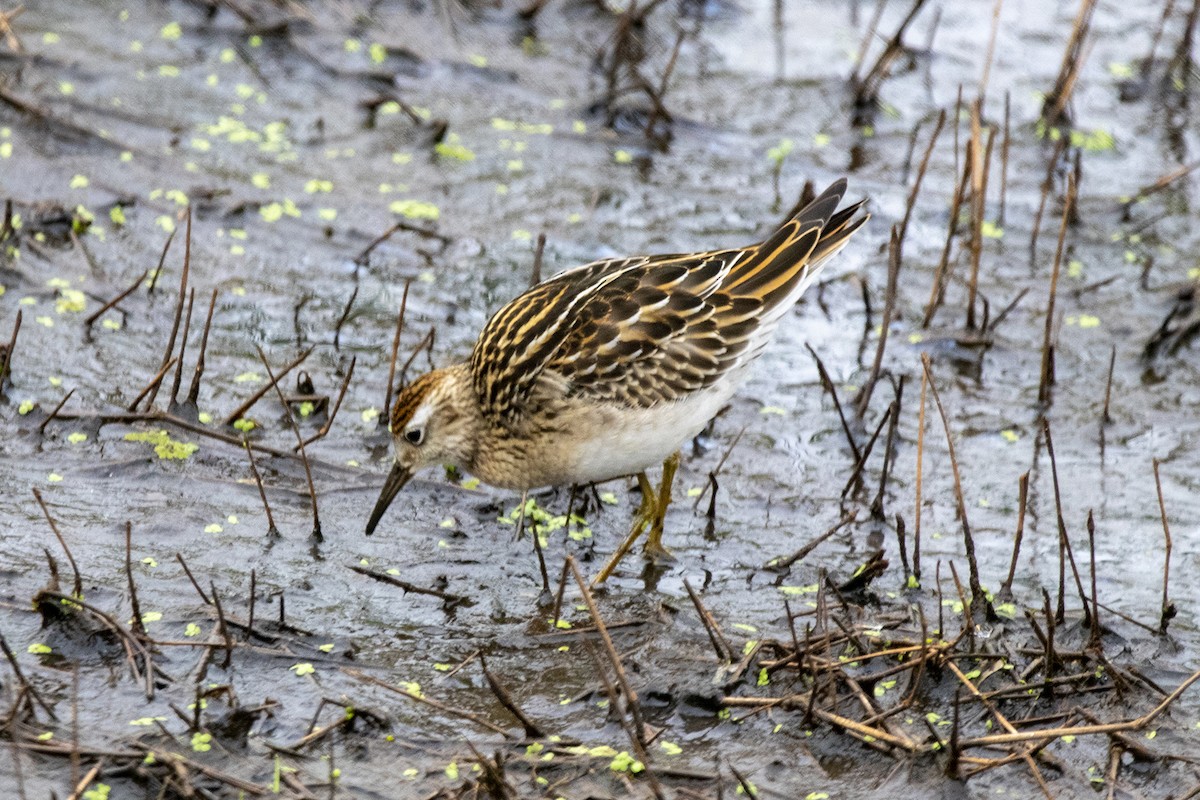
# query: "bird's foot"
(650, 516)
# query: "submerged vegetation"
(942, 537)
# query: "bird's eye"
(415, 436)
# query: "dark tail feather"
(814, 233)
(840, 227)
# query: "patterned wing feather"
(643, 331)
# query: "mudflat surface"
(299, 134)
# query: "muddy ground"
(298, 134)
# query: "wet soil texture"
(923, 552)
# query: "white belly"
(628, 441)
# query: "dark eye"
(415, 436)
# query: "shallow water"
(270, 143)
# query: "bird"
(604, 370)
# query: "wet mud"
(845, 616)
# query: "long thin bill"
(391, 487)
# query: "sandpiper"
(604, 370)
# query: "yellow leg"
(649, 514)
(654, 547)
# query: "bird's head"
(434, 421)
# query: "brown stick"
(1168, 608)
(77, 587)
(194, 390)
(138, 626)
(1073, 57)
(133, 647)
(426, 342)
(1094, 636)
(262, 493)
(889, 453)
(253, 597)
(162, 259)
(715, 636)
(14, 44)
(383, 577)
(937, 290)
(978, 597)
(187, 327)
(1047, 184)
(86, 780)
(784, 563)
(889, 304)
(1064, 541)
(856, 474)
(920, 475)
(6, 367)
(452, 710)
(1050, 734)
(637, 739)
(1005, 146)
(978, 207)
(867, 89)
(1025, 754)
(241, 410)
(336, 405)
(1022, 500)
(16, 668)
(54, 412)
(1161, 183)
(536, 276)
(63, 125)
(151, 386)
(916, 189)
(200, 430)
(532, 730)
(132, 288)
(183, 286)
(387, 398)
(287, 410)
(192, 578)
(658, 109)
(223, 629)
(1047, 375)
(362, 258)
(991, 51)
(337, 329)
(828, 385)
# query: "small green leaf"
(623, 762)
(414, 209)
(780, 151)
(98, 792)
